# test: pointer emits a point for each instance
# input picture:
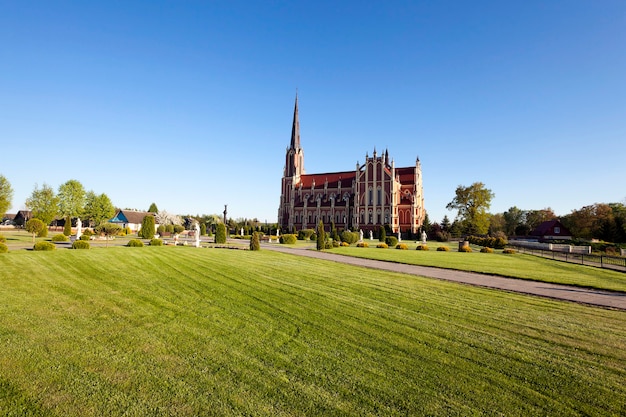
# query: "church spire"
(295, 128)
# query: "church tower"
(294, 168)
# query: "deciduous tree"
(35, 226)
(98, 208)
(6, 195)
(43, 203)
(71, 200)
(472, 204)
(107, 230)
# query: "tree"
(255, 243)
(321, 236)
(43, 203)
(220, 233)
(98, 208)
(153, 208)
(513, 218)
(107, 230)
(71, 200)
(382, 234)
(472, 204)
(147, 227)
(496, 224)
(535, 217)
(445, 223)
(6, 195)
(165, 218)
(35, 226)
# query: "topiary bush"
(382, 245)
(80, 244)
(156, 242)
(391, 241)
(362, 245)
(220, 233)
(305, 234)
(60, 238)
(402, 246)
(44, 246)
(508, 251)
(288, 239)
(486, 249)
(422, 247)
(349, 237)
(345, 244)
(135, 243)
(466, 249)
(3, 248)
(255, 242)
(443, 249)
(84, 237)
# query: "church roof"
(333, 178)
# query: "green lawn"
(182, 331)
(515, 266)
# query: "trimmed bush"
(305, 234)
(3, 248)
(127, 231)
(345, 244)
(443, 249)
(80, 244)
(402, 246)
(147, 227)
(84, 237)
(67, 227)
(88, 233)
(362, 245)
(349, 237)
(391, 241)
(220, 233)
(44, 246)
(156, 242)
(509, 251)
(135, 243)
(255, 242)
(60, 238)
(382, 245)
(422, 247)
(486, 250)
(288, 239)
(466, 249)
(336, 243)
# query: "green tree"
(382, 234)
(67, 226)
(71, 200)
(98, 208)
(6, 195)
(153, 208)
(220, 233)
(43, 203)
(35, 226)
(321, 236)
(107, 230)
(147, 227)
(255, 243)
(202, 229)
(472, 204)
(445, 223)
(535, 217)
(513, 218)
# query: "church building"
(374, 194)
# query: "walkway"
(608, 299)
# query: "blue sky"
(189, 104)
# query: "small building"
(551, 230)
(130, 218)
(8, 219)
(21, 217)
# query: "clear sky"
(189, 104)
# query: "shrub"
(465, 249)
(422, 247)
(127, 231)
(288, 239)
(169, 228)
(486, 249)
(443, 249)
(509, 251)
(442, 236)
(362, 245)
(220, 233)
(349, 237)
(402, 246)
(391, 241)
(43, 232)
(3, 248)
(84, 237)
(80, 244)
(147, 227)
(305, 234)
(255, 243)
(44, 246)
(60, 238)
(88, 233)
(382, 245)
(336, 243)
(161, 229)
(156, 242)
(67, 227)
(3, 239)
(345, 244)
(178, 228)
(382, 234)
(135, 243)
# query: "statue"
(360, 235)
(371, 235)
(278, 232)
(399, 236)
(241, 231)
(79, 227)
(197, 234)
(423, 236)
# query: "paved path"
(600, 298)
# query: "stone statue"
(79, 228)
(197, 234)
(360, 235)
(241, 231)
(399, 236)
(423, 236)
(278, 232)
(371, 235)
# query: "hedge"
(44, 246)
(80, 244)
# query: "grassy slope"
(516, 266)
(185, 331)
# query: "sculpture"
(79, 227)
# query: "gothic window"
(378, 197)
(370, 196)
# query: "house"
(22, 217)
(8, 219)
(130, 218)
(551, 230)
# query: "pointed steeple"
(295, 128)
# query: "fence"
(581, 256)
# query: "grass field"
(184, 331)
(515, 266)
